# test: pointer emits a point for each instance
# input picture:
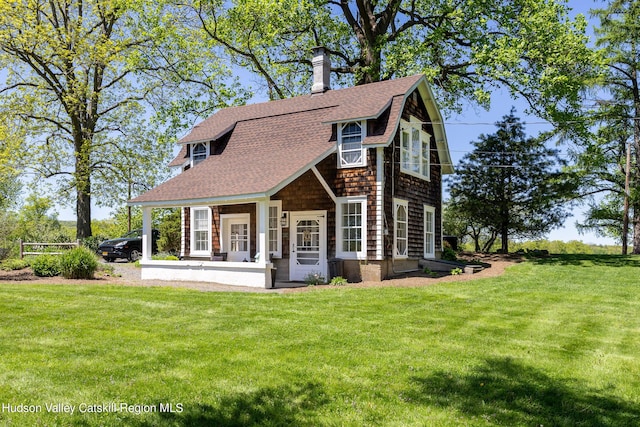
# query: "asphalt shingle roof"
(273, 141)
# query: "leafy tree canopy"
(89, 78)
(466, 48)
(601, 153)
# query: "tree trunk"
(505, 240)
(83, 213)
(636, 228)
(83, 189)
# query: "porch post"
(262, 210)
(146, 233)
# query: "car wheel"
(134, 255)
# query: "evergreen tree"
(510, 185)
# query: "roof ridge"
(288, 112)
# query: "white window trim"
(193, 146)
(277, 204)
(432, 210)
(362, 253)
(192, 251)
(425, 138)
(405, 204)
(363, 154)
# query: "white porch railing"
(227, 273)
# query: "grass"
(552, 342)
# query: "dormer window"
(350, 150)
(414, 149)
(199, 153)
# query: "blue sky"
(466, 127)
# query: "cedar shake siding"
(288, 151)
(416, 191)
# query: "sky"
(465, 127)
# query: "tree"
(88, 77)
(602, 160)
(465, 48)
(510, 184)
(9, 164)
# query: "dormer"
(351, 151)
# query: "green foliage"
(35, 223)
(99, 88)
(532, 347)
(78, 263)
(560, 247)
(464, 48)
(448, 254)
(338, 281)
(46, 265)
(456, 271)
(314, 278)
(601, 157)
(510, 185)
(169, 226)
(92, 242)
(14, 264)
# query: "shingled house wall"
(306, 193)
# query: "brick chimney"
(321, 71)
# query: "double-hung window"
(351, 227)
(429, 232)
(198, 153)
(350, 150)
(414, 149)
(200, 231)
(401, 228)
(275, 228)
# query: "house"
(352, 174)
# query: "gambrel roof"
(272, 143)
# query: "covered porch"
(202, 263)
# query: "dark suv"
(128, 246)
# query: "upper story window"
(350, 150)
(199, 153)
(414, 149)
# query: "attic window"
(351, 152)
(199, 153)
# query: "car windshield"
(133, 234)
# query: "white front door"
(235, 237)
(308, 240)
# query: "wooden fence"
(35, 246)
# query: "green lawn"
(554, 342)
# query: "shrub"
(46, 265)
(92, 242)
(449, 254)
(338, 281)
(456, 271)
(14, 264)
(78, 263)
(314, 278)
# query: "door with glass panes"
(308, 241)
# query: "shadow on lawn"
(285, 405)
(588, 259)
(508, 393)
